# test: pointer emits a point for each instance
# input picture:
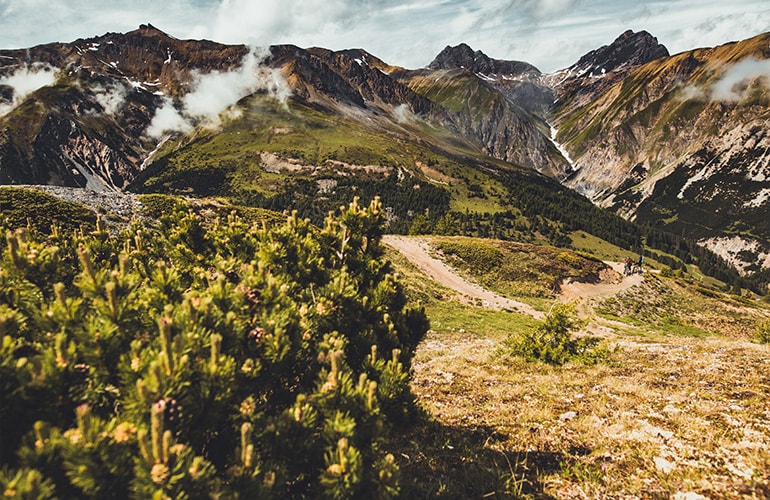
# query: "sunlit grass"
(453, 316)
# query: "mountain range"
(677, 144)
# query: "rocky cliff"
(112, 98)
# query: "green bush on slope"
(552, 341)
(195, 361)
(763, 332)
(36, 210)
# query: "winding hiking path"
(417, 251)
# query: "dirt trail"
(571, 291)
(417, 251)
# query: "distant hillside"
(681, 143)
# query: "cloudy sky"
(551, 34)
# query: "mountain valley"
(664, 141)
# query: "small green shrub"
(551, 341)
(158, 205)
(476, 254)
(763, 332)
(39, 211)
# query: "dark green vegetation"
(204, 357)
(158, 206)
(552, 341)
(763, 332)
(37, 211)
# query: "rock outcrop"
(462, 56)
(629, 50)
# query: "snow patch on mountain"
(561, 148)
(761, 198)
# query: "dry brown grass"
(678, 416)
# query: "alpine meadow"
(283, 272)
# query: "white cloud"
(26, 80)
(551, 34)
(691, 93)
(215, 92)
(734, 84)
(739, 78)
(168, 119)
(111, 97)
(709, 24)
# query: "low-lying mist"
(25, 80)
(216, 92)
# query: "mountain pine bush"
(202, 359)
(552, 342)
(763, 332)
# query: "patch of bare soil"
(611, 282)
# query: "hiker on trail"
(639, 264)
(628, 266)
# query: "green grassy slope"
(305, 158)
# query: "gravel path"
(576, 290)
(119, 203)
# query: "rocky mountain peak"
(630, 49)
(150, 29)
(462, 56)
(353, 77)
(459, 56)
